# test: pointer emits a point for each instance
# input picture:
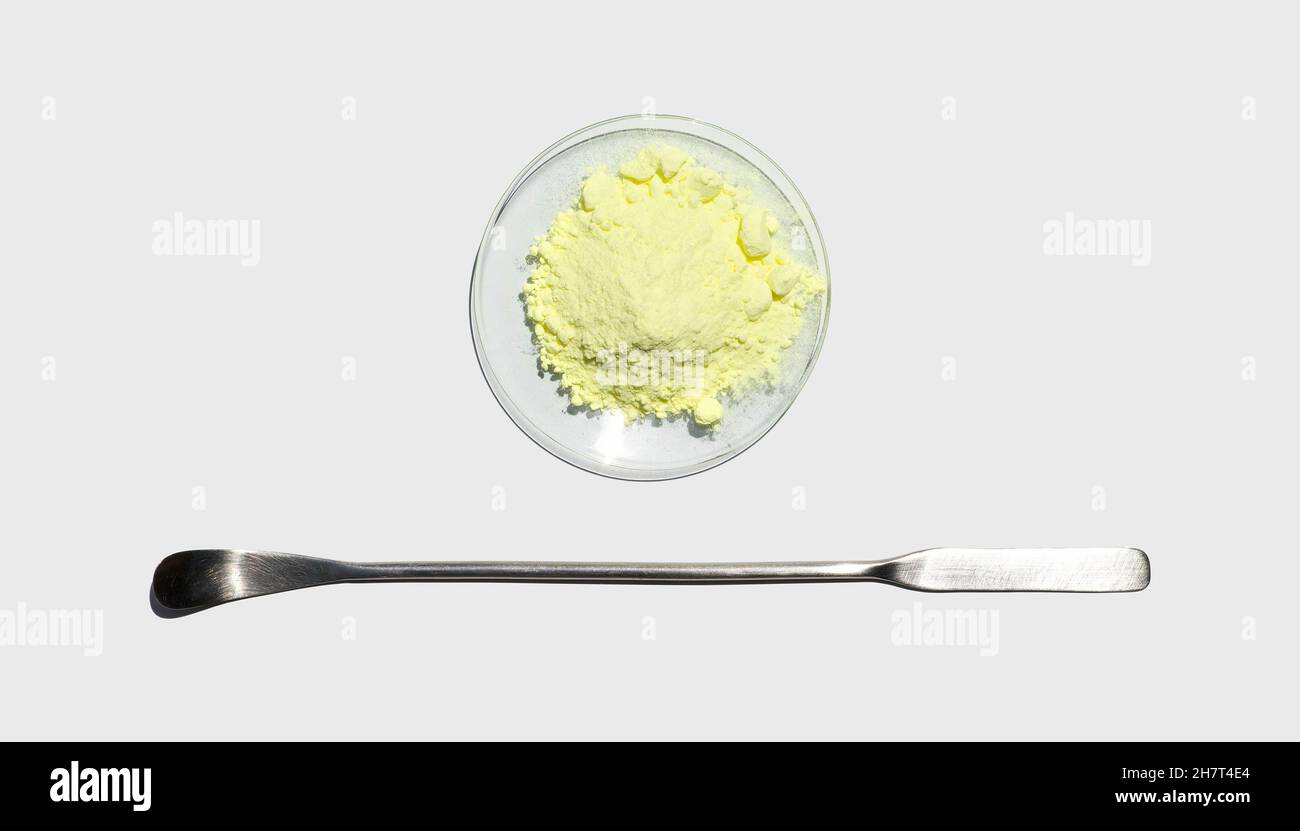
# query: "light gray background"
(1072, 373)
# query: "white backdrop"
(973, 390)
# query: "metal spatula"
(193, 580)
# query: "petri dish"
(602, 441)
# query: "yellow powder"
(664, 290)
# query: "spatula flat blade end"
(1141, 570)
(1023, 570)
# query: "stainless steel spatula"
(193, 580)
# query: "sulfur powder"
(663, 291)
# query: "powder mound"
(664, 289)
